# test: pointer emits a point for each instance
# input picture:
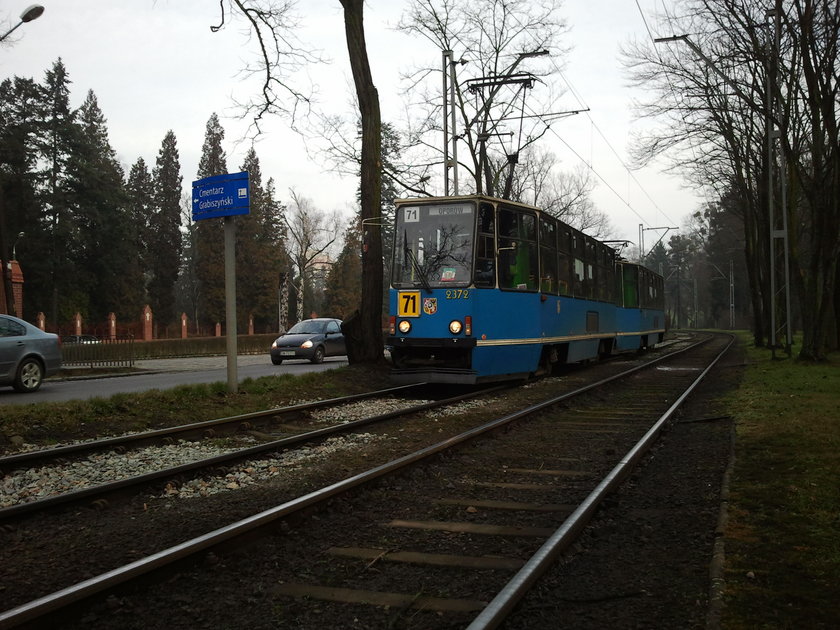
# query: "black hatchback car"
(311, 339)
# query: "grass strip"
(783, 534)
(50, 423)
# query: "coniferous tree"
(258, 251)
(249, 286)
(20, 112)
(209, 234)
(56, 141)
(140, 191)
(100, 248)
(164, 251)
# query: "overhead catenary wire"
(596, 173)
(590, 166)
(585, 109)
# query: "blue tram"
(485, 289)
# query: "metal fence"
(88, 351)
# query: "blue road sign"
(220, 196)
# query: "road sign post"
(225, 196)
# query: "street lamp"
(14, 246)
(30, 13)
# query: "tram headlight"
(455, 327)
(405, 326)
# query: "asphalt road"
(162, 374)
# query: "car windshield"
(307, 327)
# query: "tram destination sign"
(220, 196)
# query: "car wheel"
(318, 356)
(29, 376)
(276, 361)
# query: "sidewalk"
(186, 364)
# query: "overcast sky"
(156, 65)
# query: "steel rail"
(501, 606)
(65, 597)
(82, 447)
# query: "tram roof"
(488, 198)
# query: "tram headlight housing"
(405, 326)
(455, 327)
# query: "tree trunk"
(367, 346)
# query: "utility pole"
(449, 105)
(779, 262)
(447, 55)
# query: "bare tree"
(311, 232)
(491, 39)
(188, 288)
(279, 57)
(364, 333)
(565, 195)
(736, 82)
(280, 54)
(712, 133)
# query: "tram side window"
(578, 277)
(548, 255)
(485, 254)
(618, 284)
(605, 279)
(564, 261)
(648, 290)
(518, 256)
(602, 278)
(659, 301)
(590, 283)
(630, 275)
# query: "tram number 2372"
(408, 302)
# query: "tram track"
(99, 494)
(190, 431)
(605, 431)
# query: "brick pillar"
(112, 326)
(218, 329)
(17, 287)
(183, 325)
(147, 323)
(77, 324)
(251, 324)
(41, 320)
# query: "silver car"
(27, 354)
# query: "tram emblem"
(430, 306)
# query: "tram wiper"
(415, 264)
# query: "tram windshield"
(434, 245)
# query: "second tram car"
(485, 289)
